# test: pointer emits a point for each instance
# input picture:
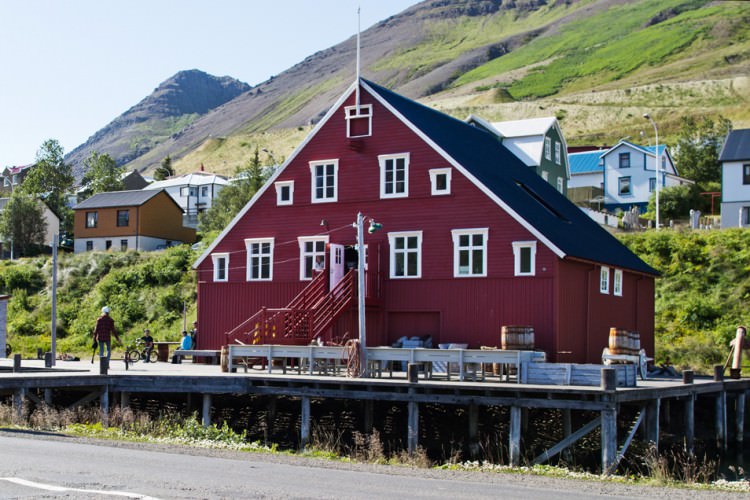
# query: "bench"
(215, 356)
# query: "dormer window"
(358, 121)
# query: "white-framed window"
(470, 252)
(394, 175)
(284, 192)
(560, 184)
(524, 258)
(545, 175)
(324, 181)
(358, 121)
(651, 184)
(624, 186)
(558, 156)
(92, 219)
(312, 249)
(406, 254)
(259, 259)
(604, 279)
(204, 191)
(617, 283)
(221, 266)
(440, 181)
(186, 191)
(6, 181)
(548, 148)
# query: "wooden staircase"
(306, 318)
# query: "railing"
(307, 316)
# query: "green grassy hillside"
(701, 296)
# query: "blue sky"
(69, 67)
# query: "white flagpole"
(357, 82)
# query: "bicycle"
(138, 351)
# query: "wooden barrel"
(635, 342)
(517, 338)
(224, 358)
(619, 341)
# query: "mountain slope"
(594, 63)
(172, 106)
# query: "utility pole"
(361, 293)
(54, 299)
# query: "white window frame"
(302, 240)
(560, 184)
(251, 255)
(545, 176)
(617, 283)
(518, 247)
(457, 248)
(548, 148)
(280, 185)
(383, 160)
(313, 166)
(350, 113)
(392, 237)
(434, 173)
(604, 280)
(558, 153)
(217, 257)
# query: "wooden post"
(305, 423)
(740, 420)
(515, 436)
(689, 423)
(609, 379)
(16, 363)
(369, 415)
(206, 415)
(666, 413)
(688, 376)
(609, 440)
(124, 400)
(48, 359)
(720, 420)
(412, 372)
(567, 431)
(718, 373)
(270, 418)
(48, 396)
(473, 430)
(103, 366)
(652, 422)
(413, 427)
(19, 397)
(104, 406)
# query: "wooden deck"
(33, 384)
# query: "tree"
(51, 180)
(246, 182)
(102, 174)
(22, 222)
(698, 147)
(675, 202)
(164, 170)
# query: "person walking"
(103, 331)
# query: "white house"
(735, 179)
(194, 192)
(52, 220)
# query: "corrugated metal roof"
(194, 179)
(522, 128)
(586, 162)
(736, 146)
(534, 200)
(118, 199)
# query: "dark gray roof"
(118, 199)
(523, 190)
(737, 146)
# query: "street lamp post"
(658, 165)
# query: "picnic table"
(162, 350)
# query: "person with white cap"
(104, 329)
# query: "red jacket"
(105, 327)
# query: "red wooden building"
(471, 240)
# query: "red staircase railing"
(309, 315)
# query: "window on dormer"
(394, 175)
(548, 148)
(358, 120)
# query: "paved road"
(33, 465)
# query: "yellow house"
(124, 220)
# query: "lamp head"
(374, 226)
